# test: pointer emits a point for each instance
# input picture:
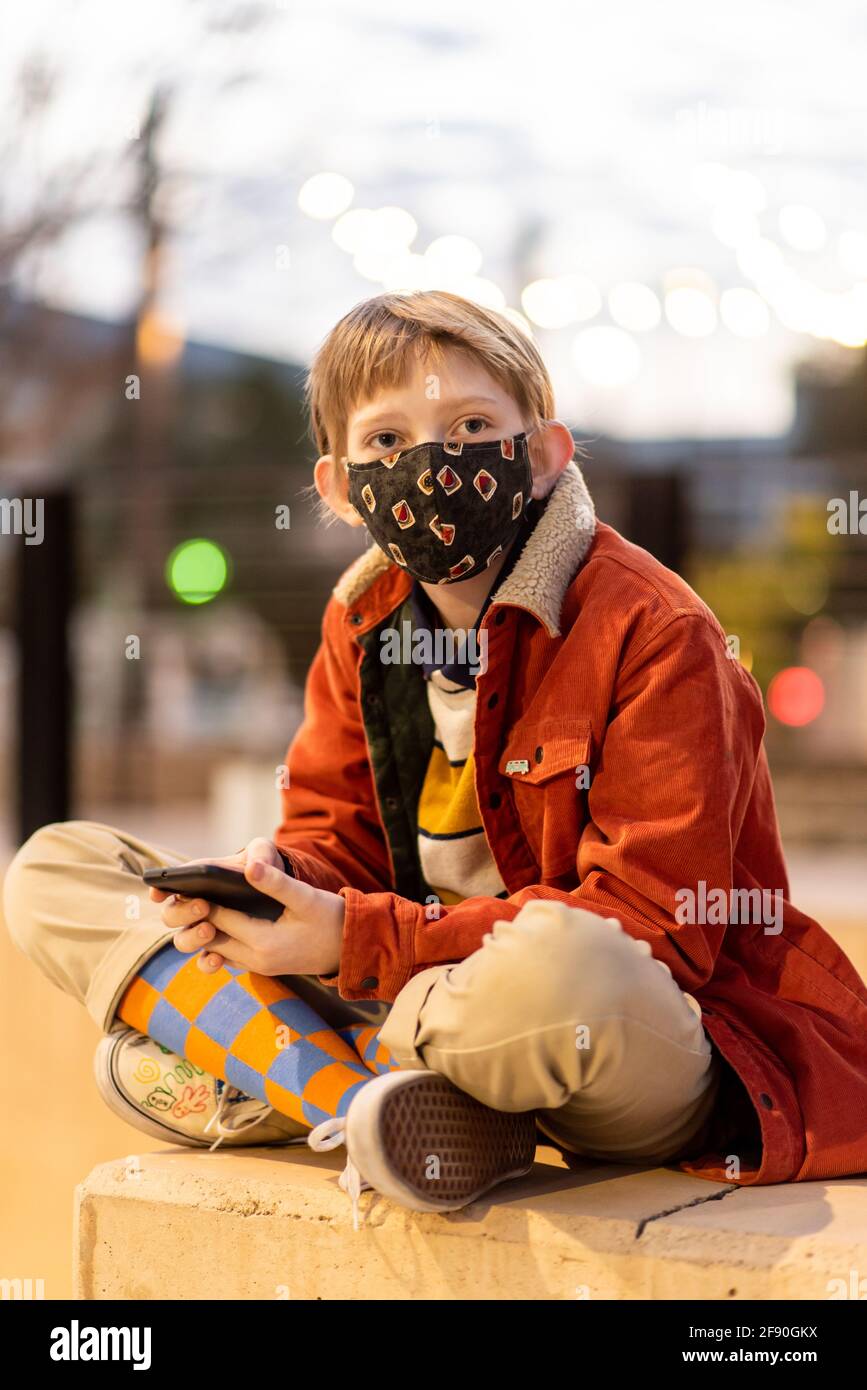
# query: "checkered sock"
(365, 1041)
(253, 1032)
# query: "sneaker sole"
(109, 1087)
(409, 1138)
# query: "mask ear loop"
(540, 425)
(368, 538)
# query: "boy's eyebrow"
(364, 421)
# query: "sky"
(671, 197)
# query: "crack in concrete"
(683, 1206)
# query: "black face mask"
(444, 512)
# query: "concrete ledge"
(268, 1224)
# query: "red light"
(796, 696)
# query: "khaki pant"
(557, 1012)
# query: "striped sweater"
(455, 857)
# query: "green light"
(196, 571)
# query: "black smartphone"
(223, 887)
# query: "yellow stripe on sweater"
(448, 804)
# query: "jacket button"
(392, 804)
(495, 801)
(374, 703)
(356, 619)
(766, 1101)
(492, 700)
(501, 617)
(370, 982)
(538, 754)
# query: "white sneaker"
(169, 1098)
(415, 1138)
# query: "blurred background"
(671, 199)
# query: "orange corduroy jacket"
(598, 658)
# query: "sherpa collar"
(543, 571)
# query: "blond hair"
(371, 347)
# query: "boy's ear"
(331, 485)
(551, 448)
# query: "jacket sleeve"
(666, 802)
(330, 830)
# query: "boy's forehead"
(459, 379)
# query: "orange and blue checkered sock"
(365, 1041)
(254, 1033)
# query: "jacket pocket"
(547, 763)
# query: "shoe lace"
(330, 1134)
(235, 1112)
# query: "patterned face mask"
(444, 512)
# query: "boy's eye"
(386, 441)
(474, 424)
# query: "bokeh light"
(761, 259)
(802, 227)
(402, 272)
(796, 696)
(744, 313)
(634, 307)
(846, 317)
(554, 303)
(690, 311)
(354, 231)
(481, 291)
(606, 356)
(734, 226)
(159, 340)
(454, 255)
(325, 195)
(378, 231)
(806, 586)
(197, 570)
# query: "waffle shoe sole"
(424, 1144)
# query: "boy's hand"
(183, 912)
(305, 939)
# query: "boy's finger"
(228, 861)
(230, 950)
(210, 962)
(195, 937)
(184, 912)
(237, 925)
(296, 895)
(261, 848)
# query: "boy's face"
(454, 399)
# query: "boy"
(540, 858)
